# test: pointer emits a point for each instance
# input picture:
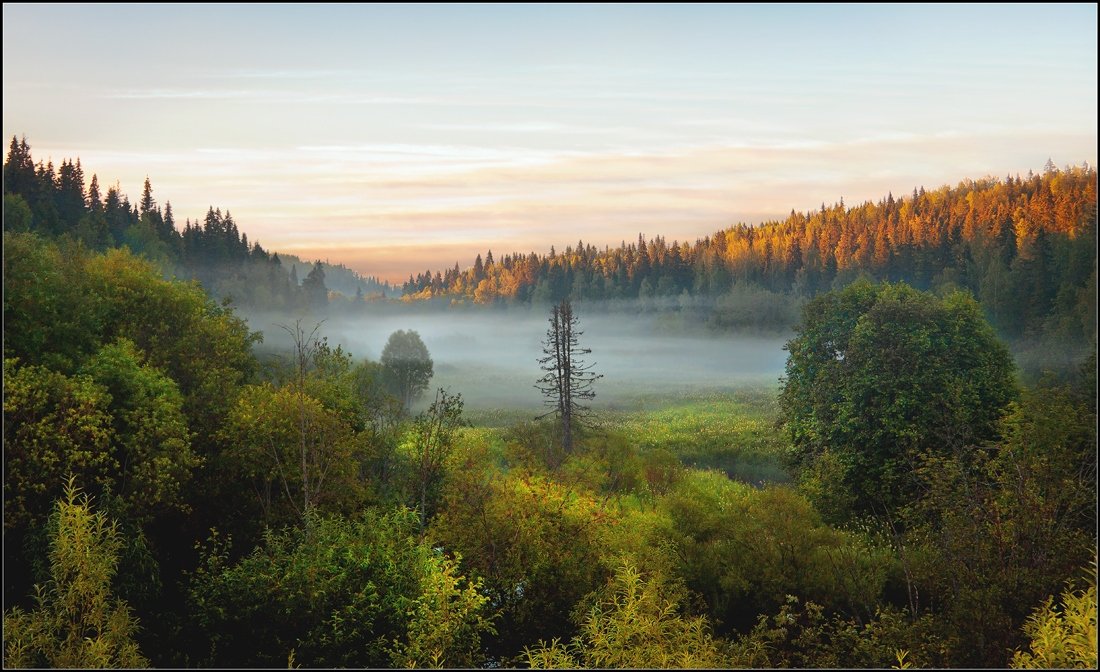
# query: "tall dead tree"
(568, 379)
(315, 455)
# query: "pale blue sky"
(394, 138)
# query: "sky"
(396, 139)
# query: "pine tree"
(314, 286)
(69, 197)
(568, 379)
(19, 177)
(148, 205)
(95, 200)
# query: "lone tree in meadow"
(568, 379)
(406, 366)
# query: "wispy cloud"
(274, 96)
(378, 129)
(399, 196)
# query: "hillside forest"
(186, 485)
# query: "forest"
(189, 485)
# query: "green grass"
(730, 429)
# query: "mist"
(491, 356)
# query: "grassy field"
(731, 429)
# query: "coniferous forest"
(184, 487)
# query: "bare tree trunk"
(305, 347)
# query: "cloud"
(429, 205)
(275, 97)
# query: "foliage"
(77, 623)
(62, 304)
(406, 366)
(340, 593)
(536, 543)
(432, 441)
(447, 620)
(154, 444)
(290, 450)
(880, 374)
(1062, 636)
(17, 214)
(635, 622)
(802, 635)
(54, 425)
(744, 549)
(996, 530)
(50, 316)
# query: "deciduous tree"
(880, 374)
(77, 623)
(406, 366)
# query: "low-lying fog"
(491, 357)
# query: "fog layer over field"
(491, 357)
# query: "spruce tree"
(568, 379)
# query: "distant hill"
(57, 203)
(1024, 246)
(340, 278)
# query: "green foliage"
(154, 445)
(745, 549)
(50, 315)
(205, 349)
(54, 425)
(636, 621)
(77, 623)
(429, 445)
(17, 214)
(406, 366)
(535, 541)
(447, 620)
(61, 305)
(281, 441)
(802, 635)
(880, 374)
(340, 593)
(143, 240)
(998, 529)
(1062, 636)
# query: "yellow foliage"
(1063, 635)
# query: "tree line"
(213, 250)
(1024, 246)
